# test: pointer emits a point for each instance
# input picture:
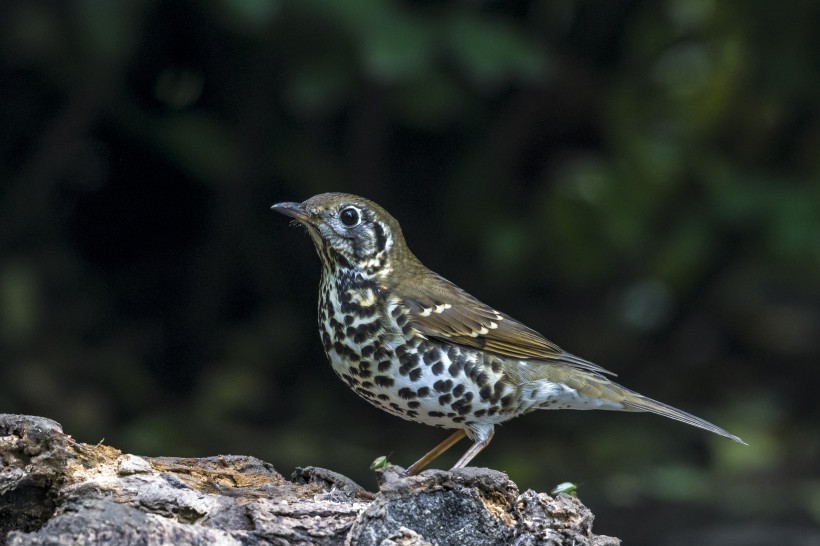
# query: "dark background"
(639, 180)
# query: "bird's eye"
(349, 216)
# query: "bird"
(417, 346)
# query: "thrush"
(416, 345)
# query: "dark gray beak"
(294, 210)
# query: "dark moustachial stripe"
(381, 239)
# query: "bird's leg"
(474, 450)
(435, 452)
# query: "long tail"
(633, 401)
(578, 389)
(595, 387)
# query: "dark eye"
(349, 216)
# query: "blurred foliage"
(639, 180)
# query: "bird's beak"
(294, 210)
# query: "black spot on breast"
(423, 391)
(326, 342)
(350, 379)
(495, 365)
(407, 394)
(443, 385)
(345, 351)
(408, 359)
(459, 419)
(438, 368)
(459, 390)
(431, 356)
(485, 392)
(454, 368)
(498, 390)
(445, 399)
(482, 379)
(364, 392)
(384, 365)
(479, 413)
(381, 353)
(415, 375)
(383, 397)
(368, 350)
(506, 401)
(435, 414)
(383, 381)
(413, 404)
(365, 331)
(367, 385)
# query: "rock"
(56, 491)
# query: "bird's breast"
(374, 350)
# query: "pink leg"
(435, 452)
(474, 450)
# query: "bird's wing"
(437, 308)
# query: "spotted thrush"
(416, 345)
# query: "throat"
(347, 297)
(349, 309)
(351, 287)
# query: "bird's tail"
(633, 401)
(579, 389)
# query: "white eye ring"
(350, 216)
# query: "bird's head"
(349, 231)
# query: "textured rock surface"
(56, 491)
